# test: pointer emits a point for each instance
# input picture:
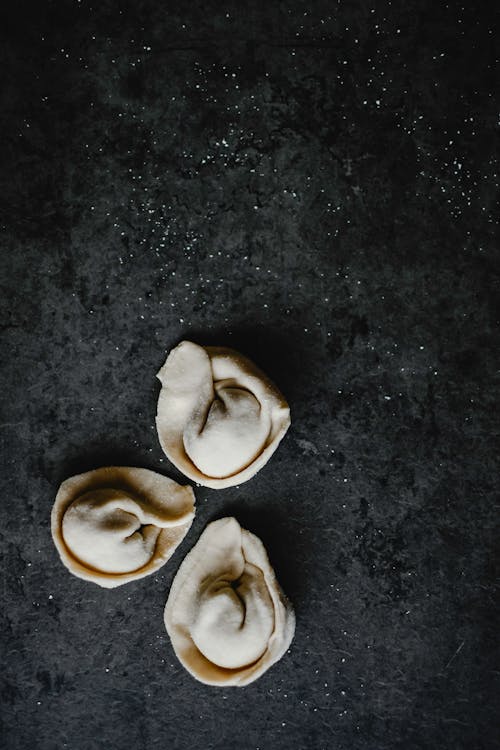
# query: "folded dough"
(115, 524)
(219, 417)
(226, 615)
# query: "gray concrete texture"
(315, 186)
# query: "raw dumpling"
(226, 615)
(115, 524)
(219, 417)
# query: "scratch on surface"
(455, 721)
(342, 651)
(454, 655)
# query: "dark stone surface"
(313, 184)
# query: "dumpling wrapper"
(219, 418)
(116, 524)
(226, 614)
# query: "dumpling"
(226, 614)
(219, 417)
(115, 524)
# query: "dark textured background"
(315, 185)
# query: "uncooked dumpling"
(226, 615)
(115, 524)
(219, 417)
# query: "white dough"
(226, 614)
(219, 418)
(116, 524)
